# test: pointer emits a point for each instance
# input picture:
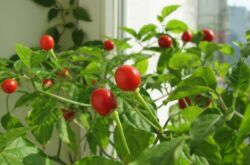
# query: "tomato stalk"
(64, 99)
(115, 116)
(146, 106)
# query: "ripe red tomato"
(108, 45)
(103, 101)
(9, 86)
(208, 35)
(68, 115)
(47, 83)
(165, 41)
(182, 103)
(127, 78)
(202, 100)
(63, 73)
(187, 36)
(47, 42)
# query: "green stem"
(58, 160)
(64, 99)
(146, 106)
(224, 107)
(7, 103)
(115, 116)
(59, 148)
(147, 120)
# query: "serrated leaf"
(24, 53)
(176, 26)
(81, 14)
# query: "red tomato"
(108, 45)
(63, 73)
(47, 42)
(94, 82)
(103, 101)
(165, 41)
(182, 103)
(127, 78)
(208, 35)
(68, 115)
(187, 36)
(9, 86)
(47, 83)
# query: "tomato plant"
(108, 95)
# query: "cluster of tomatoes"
(127, 77)
(166, 41)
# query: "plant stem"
(64, 99)
(146, 106)
(115, 116)
(7, 103)
(57, 160)
(59, 148)
(147, 120)
(224, 107)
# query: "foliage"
(213, 128)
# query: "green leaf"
(130, 31)
(240, 76)
(8, 122)
(45, 3)
(184, 60)
(53, 12)
(45, 111)
(77, 37)
(81, 14)
(11, 135)
(135, 142)
(25, 99)
(38, 57)
(23, 152)
(142, 66)
(66, 134)
(176, 26)
(245, 51)
(247, 35)
(166, 11)
(208, 47)
(24, 53)
(207, 75)
(244, 129)
(161, 154)
(146, 29)
(205, 124)
(227, 49)
(96, 160)
(210, 150)
(69, 25)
